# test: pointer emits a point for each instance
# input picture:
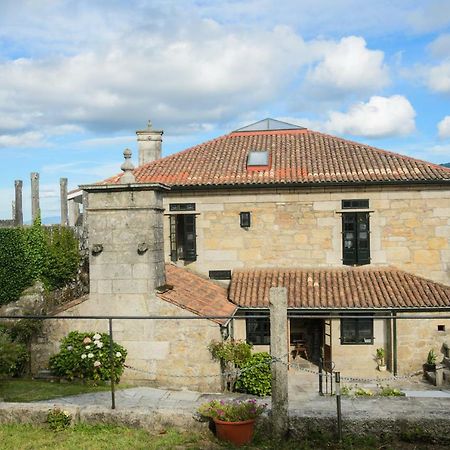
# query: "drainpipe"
(394, 343)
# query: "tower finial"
(127, 167)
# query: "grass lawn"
(106, 437)
(27, 390)
(99, 437)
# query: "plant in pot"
(381, 359)
(234, 419)
(430, 365)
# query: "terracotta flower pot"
(238, 433)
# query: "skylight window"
(258, 158)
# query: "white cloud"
(348, 66)
(440, 47)
(379, 117)
(29, 139)
(201, 73)
(430, 16)
(438, 78)
(444, 128)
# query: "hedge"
(48, 254)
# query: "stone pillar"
(126, 243)
(149, 144)
(74, 212)
(18, 211)
(64, 206)
(35, 209)
(279, 352)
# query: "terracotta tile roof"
(297, 157)
(197, 294)
(338, 288)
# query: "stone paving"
(421, 399)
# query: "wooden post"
(35, 209)
(279, 352)
(64, 207)
(18, 211)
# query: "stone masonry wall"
(410, 228)
(167, 353)
(416, 337)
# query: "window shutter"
(173, 238)
(363, 238)
(190, 249)
(349, 254)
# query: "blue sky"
(78, 78)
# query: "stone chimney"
(149, 144)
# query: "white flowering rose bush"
(87, 356)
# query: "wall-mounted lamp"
(142, 248)
(96, 249)
(244, 218)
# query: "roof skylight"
(258, 158)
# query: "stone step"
(45, 374)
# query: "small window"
(258, 331)
(182, 207)
(183, 239)
(355, 204)
(258, 158)
(357, 331)
(441, 327)
(244, 218)
(220, 274)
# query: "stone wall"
(410, 228)
(416, 337)
(166, 353)
(125, 225)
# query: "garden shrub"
(48, 254)
(86, 355)
(13, 355)
(231, 351)
(15, 273)
(62, 256)
(256, 375)
(58, 419)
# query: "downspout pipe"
(394, 342)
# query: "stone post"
(18, 211)
(279, 352)
(35, 209)
(64, 206)
(149, 144)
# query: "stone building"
(349, 229)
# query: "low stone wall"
(419, 424)
(147, 419)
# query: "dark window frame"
(183, 237)
(245, 219)
(219, 274)
(361, 331)
(355, 233)
(257, 330)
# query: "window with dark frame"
(355, 233)
(244, 219)
(183, 242)
(258, 330)
(357, 331)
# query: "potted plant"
(430, 365)
(234, 419)
(380, 359)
